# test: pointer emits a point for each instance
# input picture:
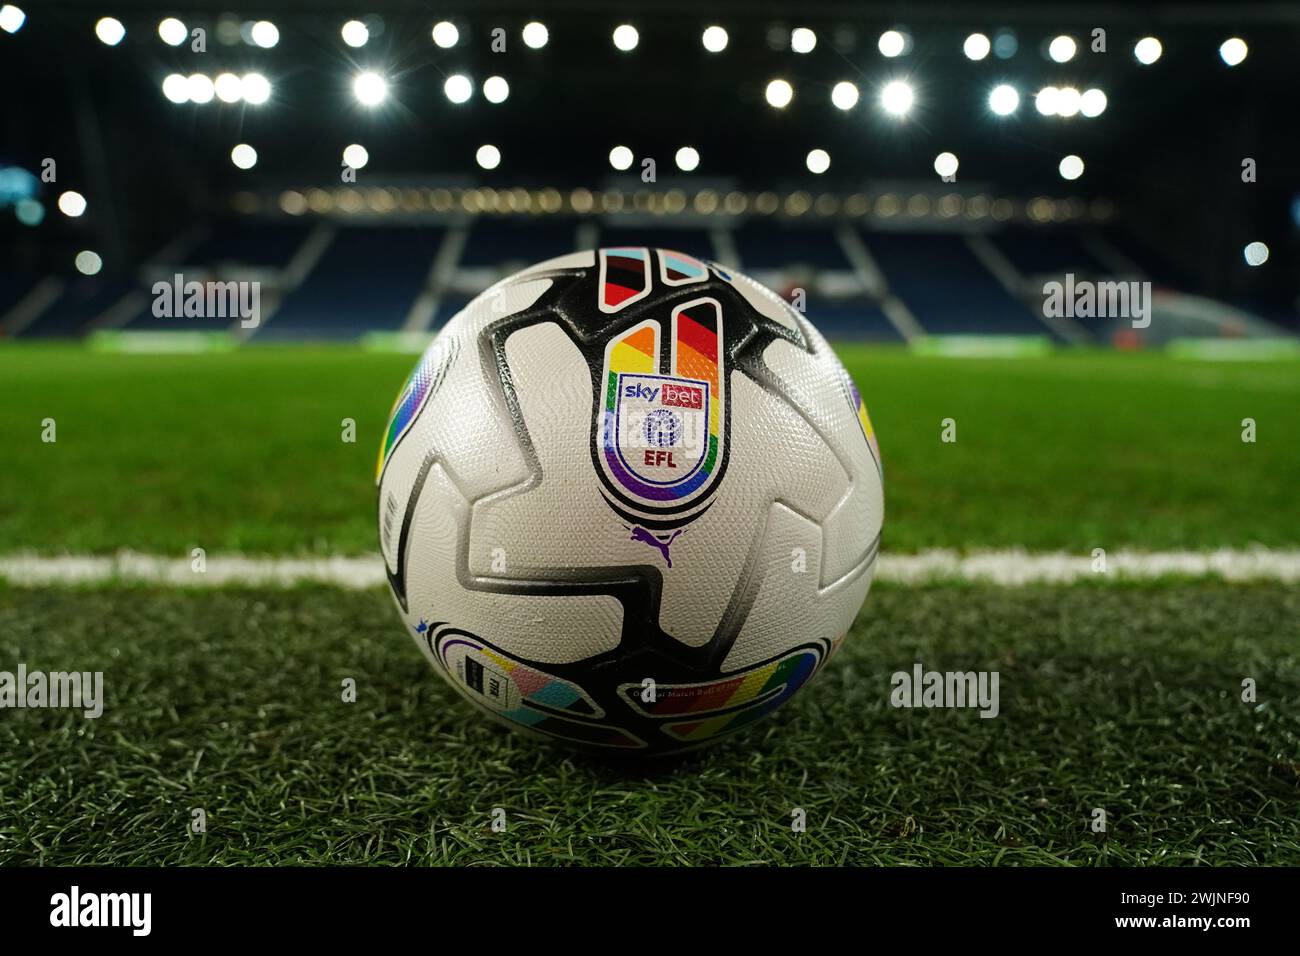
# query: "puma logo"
(641, 534)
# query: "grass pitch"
(243, 451)
(1120, 698)
(1124, 699)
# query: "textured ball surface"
(629, 500)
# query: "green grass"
(1123, 698)
(242, 451)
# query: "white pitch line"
(1003, 568)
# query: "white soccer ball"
(629, 500)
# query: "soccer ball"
(629, 500)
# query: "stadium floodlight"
(488, 156)
(11, 18)
(844, 95)
(1062, 49)
(535, 35)
(1071, 167)
(1233, 51)
(176, 88)
(620, 157)
(897, 97)
(1004, 99)
(818, 161)
(458, 88)
(256, 88)
(1092, 103)
(1068, 101)
(1046, 100)
(714, 39)
(265, 34)
(110, 31)
(355, 33)
(244, 156)
(201, 88)
(88, 263)
(1256, 253)
(891, 43)
(370, 88)
(945, 164)
(172, 32)
(72, 204)
(977, 46)
(496, 89)
(1147, 50)
(625, 37)
(802, 40)
(445, 34)
(230, 88)
(779, 93)
(356, 156)
(688, 158)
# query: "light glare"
(977, 46)
(110, 31)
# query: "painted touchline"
(1005, 568)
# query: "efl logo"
(683, 396)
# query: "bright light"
(1062, 49)
(892, 43)
(779, 94)
(176, 88)
(110, 31)
(11, 18)
(200, 87)
(370, 88)
(1147, 50)
(1092, 103)
(88, 263)
(535, 35)
(257, 89)
(172, 31)
(1047, 99)
(896, 98)
(844, 95)
(458, 88)
(265, 34)
(72, 204)
(1233, 51)
(802, 40)
(977, 46)
(356, 156)
(496, 89)
(818, 161)
(1071, 167)
(620, 157)
(230, 88)
(244, 156)
(488, 156)
(1256, 254)
(688, 158)
(1004, 100)
(945, 164)
(355, 33)
(715, 39)
(625, 37)
(445, 34)
(1068, 102)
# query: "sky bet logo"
(681, 396)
